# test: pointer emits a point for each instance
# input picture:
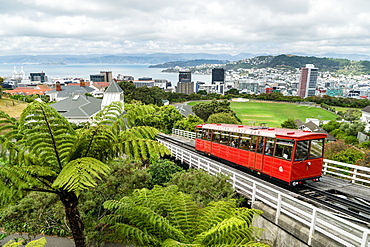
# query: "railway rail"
(329, 200)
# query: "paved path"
(184, 108)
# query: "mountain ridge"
(153, 58)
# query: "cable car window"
(216, 137)
(283, 149)
(234, 140)
(224, 138)
(302, 150)
(204, 134)
(316, 150)
(270, 145)
(253, 144)
(261, 144)
(245, 142)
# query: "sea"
(85, 70)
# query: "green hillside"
(343, 66)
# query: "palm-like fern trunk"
(70, 201)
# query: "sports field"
(273, 114)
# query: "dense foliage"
(205, 109)
(167, 217)
(203, 187)
(162, 171)
(45, 154)
(188, 123)
(162, 118)
(289, 124)
(224, 118)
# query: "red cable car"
(290, 155)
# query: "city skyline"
(36, 27)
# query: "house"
(81, 108)
(63, 92)
(366, 117)
(39, 90)
(99, 88)
(313, 127)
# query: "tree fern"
(173, 219)
(112, 116)
(135, 112)
(80, 174)
(42, 152)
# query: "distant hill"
(189, 63)
(341, 65)
(155, 58)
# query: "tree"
(188, 123)
(349, 156)
(43, 153)
(331, 125)
(163, 118)
(162, 171)
(167, 217)
(153, 95)
(332, 148)
(352, 128)
(223, 117)
(202, 92)
(232, 91)
(289, 124)
(202, 186)
(204, 109)
(43, 213)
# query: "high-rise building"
(185, 85)
(185, 76)
(218, 74)
(308, 81)
(104, 76)
(38, 77)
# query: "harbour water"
(85, 70)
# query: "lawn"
(12, 107)
(273, 114)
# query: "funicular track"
(329, 200)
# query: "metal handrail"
(317, 220)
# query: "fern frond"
(35, 243)
(8, 125)
(134, 112)
(215, 213)
(44, 131)
(132, 235)
(80, 174)
(112, 116)
(182, 212)
(248, 244)
(143, 148)
(222, 233)
(173, 243)
(139, 132)
(98, 142)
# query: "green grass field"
(273, 114)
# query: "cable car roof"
(264, 131)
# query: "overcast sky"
(184, 26)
